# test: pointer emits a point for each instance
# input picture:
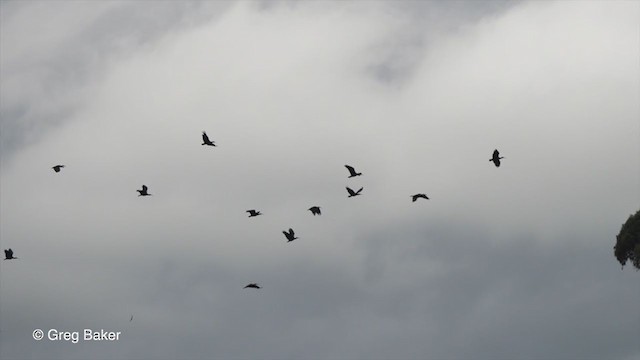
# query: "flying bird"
(353, 193)
(352, 171)
(143, 192)
(206, 141)
(253, 213)
(252, 286)
(496, 158)
(418, 196)
(57, 168)
(290, 235)
(8, 254)
(130, 320)
(315, 210)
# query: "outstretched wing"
(8, 253)
(352, 171)
(144, 188)
(351, 192)
(205, 138)
(358, 192)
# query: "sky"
(514, 262)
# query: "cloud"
(509, 262)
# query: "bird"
(290, 235)
(252, 286)
(253, 213)
(130, 320)
(353, 193)
(496, 158)
(8, 254)
(143, 192)
(206, 141)
(352, 171)
(315, 210)
(417, 196)
(57, 168)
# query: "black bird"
(143, 192)
(206, 141)
(353, 193)
(8, 254)
(352, 171)
(130, 320)
(253, 213)
(290, 235)
(57, 168)
(252, 286)
(315, 210)
(417, 196)
(496, 158)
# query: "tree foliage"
(628, 242)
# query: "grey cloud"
(515, 262)
(53, 54)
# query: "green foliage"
(628, 242)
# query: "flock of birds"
(290, 234)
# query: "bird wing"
(358, 192)
(352, 171)
(205, 138)
(8, 253)
(291, 232)
(351, 192)
(144, 188)
(496, 153)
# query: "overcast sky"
(514, 262)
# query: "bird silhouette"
(417, 196)
(253, 213)
(57, 168)
(352, 171)
(252, 286)
(143, 192)
(315, 210)
(8, 254)
(290, 235)
(206, 141)
(353, 193)
(496, 158)
(130, 320)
